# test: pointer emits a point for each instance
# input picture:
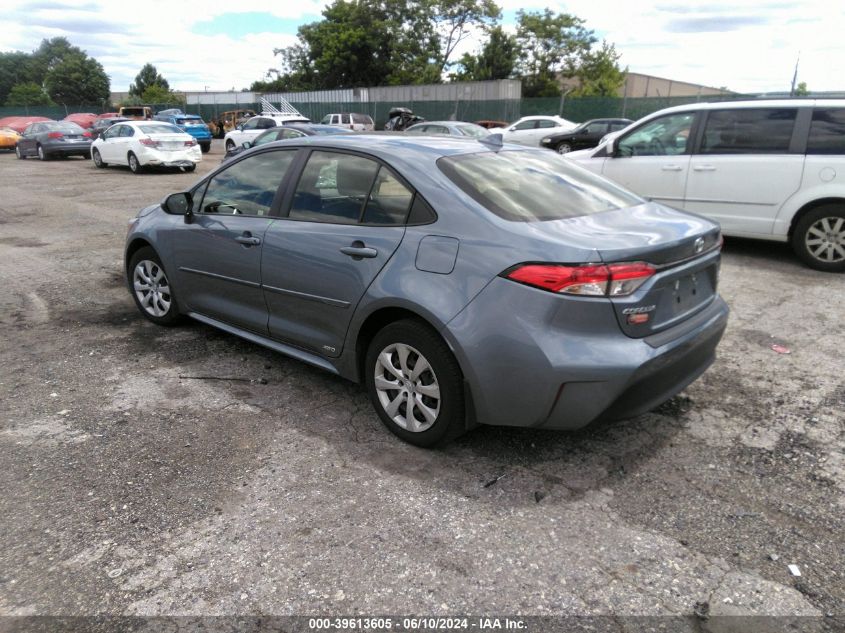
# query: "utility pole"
(795, 76)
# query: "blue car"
(190, 123)
(461, 281)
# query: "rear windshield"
(362, 118)
(66, 126)
(196, 121)
(133, 111)
(523, 186)
(159, 128)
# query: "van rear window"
(533, 186)
(827, 131)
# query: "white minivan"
(765, 169)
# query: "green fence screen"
(575, 109)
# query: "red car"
(82, 119)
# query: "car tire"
(819, 238)
(205, 147)
(563, 148)
(146, 278)
(437, 415)
(42, 155)
(19, 154)
(229, 145)
(134, 165)
(190, 168)
(98, 160)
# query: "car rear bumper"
(561, 363)
(68, 149)
(171, 158)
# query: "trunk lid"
(684, 249)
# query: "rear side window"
(533, 186)
(748, 131)
(344, 118)
(827, 131)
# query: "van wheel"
(819, 238)
(415, 384)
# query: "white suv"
(350, 121)
(254, 126)
(772, 170)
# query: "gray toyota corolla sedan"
(463, 282)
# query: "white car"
(771, 170)
(252, 127)
(530, 130)
(142, 143)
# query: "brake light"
(148, 142)
(55, 135)
(87, 133)
(190, 143)
(613, 280)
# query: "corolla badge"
(699, 245)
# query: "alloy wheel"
(825, 239)
(151, 288)
(407, 387)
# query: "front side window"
(827, 131)
(664, 136)
(114, 131)
(533, 186)
(525, 125)
(252, 124)
(748, 131)
(247, 187)
(127, 130)
(595, 128)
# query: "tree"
(454, 21)
(378, 42)
(14, 69)
(27, 94)
(598, 73)
(77, 79)
(48, 55)
(496, 60)
(549, 45)
(157, 94)
(147, 77)
(801, 89)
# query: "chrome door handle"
(671, 168)
(357, 252)
(704, 168)
(248, 240)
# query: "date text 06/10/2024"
(415, 624)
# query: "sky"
(743, 45)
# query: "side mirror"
(247, 144)
(178, 203)
(611, 148)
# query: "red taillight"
(55, 135)
(613, 280)
(148, 142)
(87, 133)
(190, 143)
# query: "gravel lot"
(130, 487)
